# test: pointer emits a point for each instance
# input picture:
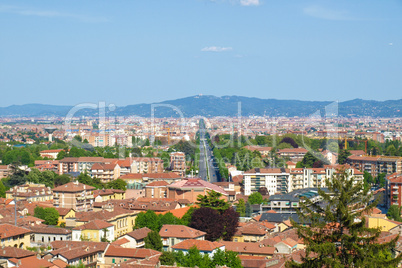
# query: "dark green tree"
(61, 155)
(117, 184)
(61, 180)
(148, 219)
(343, 156)
(213, 200)
(49, 215)
(338, 236)
(255, 198)
(2, 190)
(153, 241)
(167, 258)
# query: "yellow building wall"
(91, 235)
(70, 214)
(384, 224)
(18, 242)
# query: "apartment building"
(178, 163)
(30, 192)
(293, 154)
(13, 236)
(4, 169)
(276, 180)
(106, 172)
(146, 165)
(75, 195)
(282, 181)
(376, 164)
(393, 190)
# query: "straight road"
(206, 170)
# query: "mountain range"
(210, 106)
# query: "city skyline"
(149, 51)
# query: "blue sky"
(129, 52)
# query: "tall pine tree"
(338, 236)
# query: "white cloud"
(216, 49)
(250, 2)
(48, 13)
(327, 14)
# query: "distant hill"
(209, 106)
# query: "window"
(113, 261)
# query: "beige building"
(13, 236)
(74, 195)
(156, 189)
(4, 169)
(30, 192)
(178, 163)
(106, 172)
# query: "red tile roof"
(94, 225)
(136, 253)
(7, 230)
(180, 231)
(73, 187)
(202, 245)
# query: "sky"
(68, 52)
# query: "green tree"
(148, 219)
(249, 209)
(49, 215)
(338, 236)
(153, 241)
(241, 207)
(117, 184)
(343, 156)
(255, 198)
(186, 219)
(61, 180)
(61, 155)
(2, 190)
(394, 213)
(391, 150)
(167, 258)
(213, 200)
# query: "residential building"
(30, 192)
(74, 195)
(156, 189)
(43, 235)
(249, 248)
(274, 179)
(178, 163)
(50, 154)
(204, 246)
(264, 151)
(376, 164)
(253, 232)
(4, 170)
(292, 154)
(14, 236)
(106, 172)
(72, 253)
(108, 194)
(174, 234)
(190, 188)
(95, 231)
(115, 255)
(136, 238)
(139, 181)
(146, 165)
(393, 189)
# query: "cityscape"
(200, 133)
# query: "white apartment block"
(281, 180)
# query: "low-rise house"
(136, 238)
(253, 232)
(115, 255)
(66, 216)
(8, 255)
(249, 248)
(51, 154)
(42, 235)
(31, 262)
(204, 246)
(75, 252)
(13, 236)
(286, 246)
(4, 170)
(108, 194)
(174, 234)
(95, 231)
